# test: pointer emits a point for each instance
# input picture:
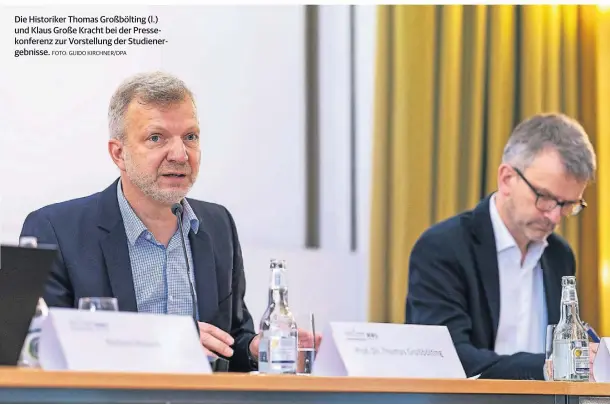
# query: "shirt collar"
(134, 227)
(189, 217)
(504, 240)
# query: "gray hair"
(556, 131)
(155, 88)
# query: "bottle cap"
(278, 264)
(28, 241)
(568, 280)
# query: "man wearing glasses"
(493, 275)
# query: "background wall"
(246, 66)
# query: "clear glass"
(28, 241)
(306, 342)
(548, 352)
(570, 340)
(98, 304)
(278, 344)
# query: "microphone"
(177, 211)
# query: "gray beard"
(147, 184)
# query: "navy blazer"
(454, 281)
(93, 261)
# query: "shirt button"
(148, 236)
(171, 297)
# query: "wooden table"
(22, 385)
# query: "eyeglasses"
(547, 202)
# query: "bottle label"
(29, 352)
(283, 350)
(580, 355)
(31, 345)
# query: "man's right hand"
(215, 341)
(592, 352)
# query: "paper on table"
(362, 349)
(601, 364)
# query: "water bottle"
(570, 339)
(29, 352)
(278, 344)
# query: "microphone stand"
(218, 364)
(177, 211)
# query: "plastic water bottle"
(278, 344)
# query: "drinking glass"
(98, 304)
(548, 353)
(306, 344)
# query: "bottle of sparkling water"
(570, 340)
(29, 352)
(278, 344)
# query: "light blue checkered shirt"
(159, 273)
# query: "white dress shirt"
(523, 314)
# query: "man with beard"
(125, 241)
(493, 275)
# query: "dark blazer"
(453, 281)
(93, 261)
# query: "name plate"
(601, 363)
(387, 350)
(120, 341)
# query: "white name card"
(387, 350)
(601, 363)
(120, 341)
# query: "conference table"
(27, 385)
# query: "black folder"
(23, 275)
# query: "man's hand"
(305, 340)
(592, 352)
(215, 341)
(254, 343)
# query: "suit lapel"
(118, 265)
(205, 273)
(487, 264)
(487, 260)
(552, 286)
(115, 250)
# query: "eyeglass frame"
(579, 203)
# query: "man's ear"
(506, 175)
(115, 148)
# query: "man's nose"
(554, 215)
(177, 151)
